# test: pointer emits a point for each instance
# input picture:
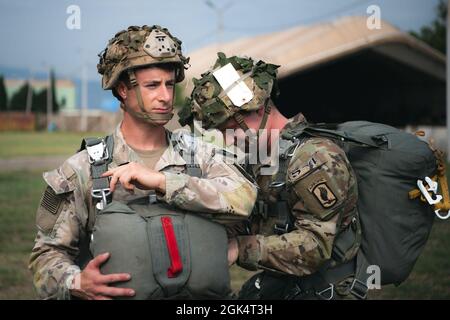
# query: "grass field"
(20, 192)
(22, 144)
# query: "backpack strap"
(326, 131)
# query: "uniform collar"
(123, 153)
(293, 122)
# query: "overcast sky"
(34, 34)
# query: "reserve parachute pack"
(169, 253)
(398, 176)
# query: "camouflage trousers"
(267, 286)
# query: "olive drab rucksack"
(169, 253)
(398, 176)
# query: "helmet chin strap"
(150, 117)
(240, 118)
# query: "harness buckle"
(101, 194)
(277, 184)
(97, 153)
(280, 228)
(323, 294)
(359, 289)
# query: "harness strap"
(321, 284)
(100, 156)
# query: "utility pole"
(84, 97)
(29, 93)
(49, 98)
(220, 25)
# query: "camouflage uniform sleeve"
(321, 186)
(56, 243)
(222, 189)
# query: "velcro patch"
(51, 201)
(49, 209)
(323, 193)
(311, 165)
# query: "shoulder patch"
(49, 210)
(51, 201)
(301, 168)
(323, 193)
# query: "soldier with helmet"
(141, 66)
(303, 208)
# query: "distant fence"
(98, 121)
(17, 121)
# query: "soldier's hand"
(134, 175)
(233, 251)
(90, 284)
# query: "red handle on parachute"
(176, 266)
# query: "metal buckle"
(363, 293)
(279, 229)
(101, 194)
(432, 187)
(290, 154)
(321, 293)
(276, 184)
(152, 198)
(97, 152)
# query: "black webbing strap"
(100, 185)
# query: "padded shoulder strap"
(328, 131)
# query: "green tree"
(55, 106)
(40, 98)
(435, 34)
(3, 97)
(19, 99)
(40, 102)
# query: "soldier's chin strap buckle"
(101, 194)
(97, 152)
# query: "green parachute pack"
(398, 176)
(170, 253)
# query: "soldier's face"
(234, 134)
(157, 90)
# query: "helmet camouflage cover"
(210, 103)
(138, 47)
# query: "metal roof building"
(342, 70)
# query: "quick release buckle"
(98, 153)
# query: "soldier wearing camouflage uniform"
(141, 66)
(301, 211)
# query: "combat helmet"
(139, 47)
(223, 93)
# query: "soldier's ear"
(122, 90)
